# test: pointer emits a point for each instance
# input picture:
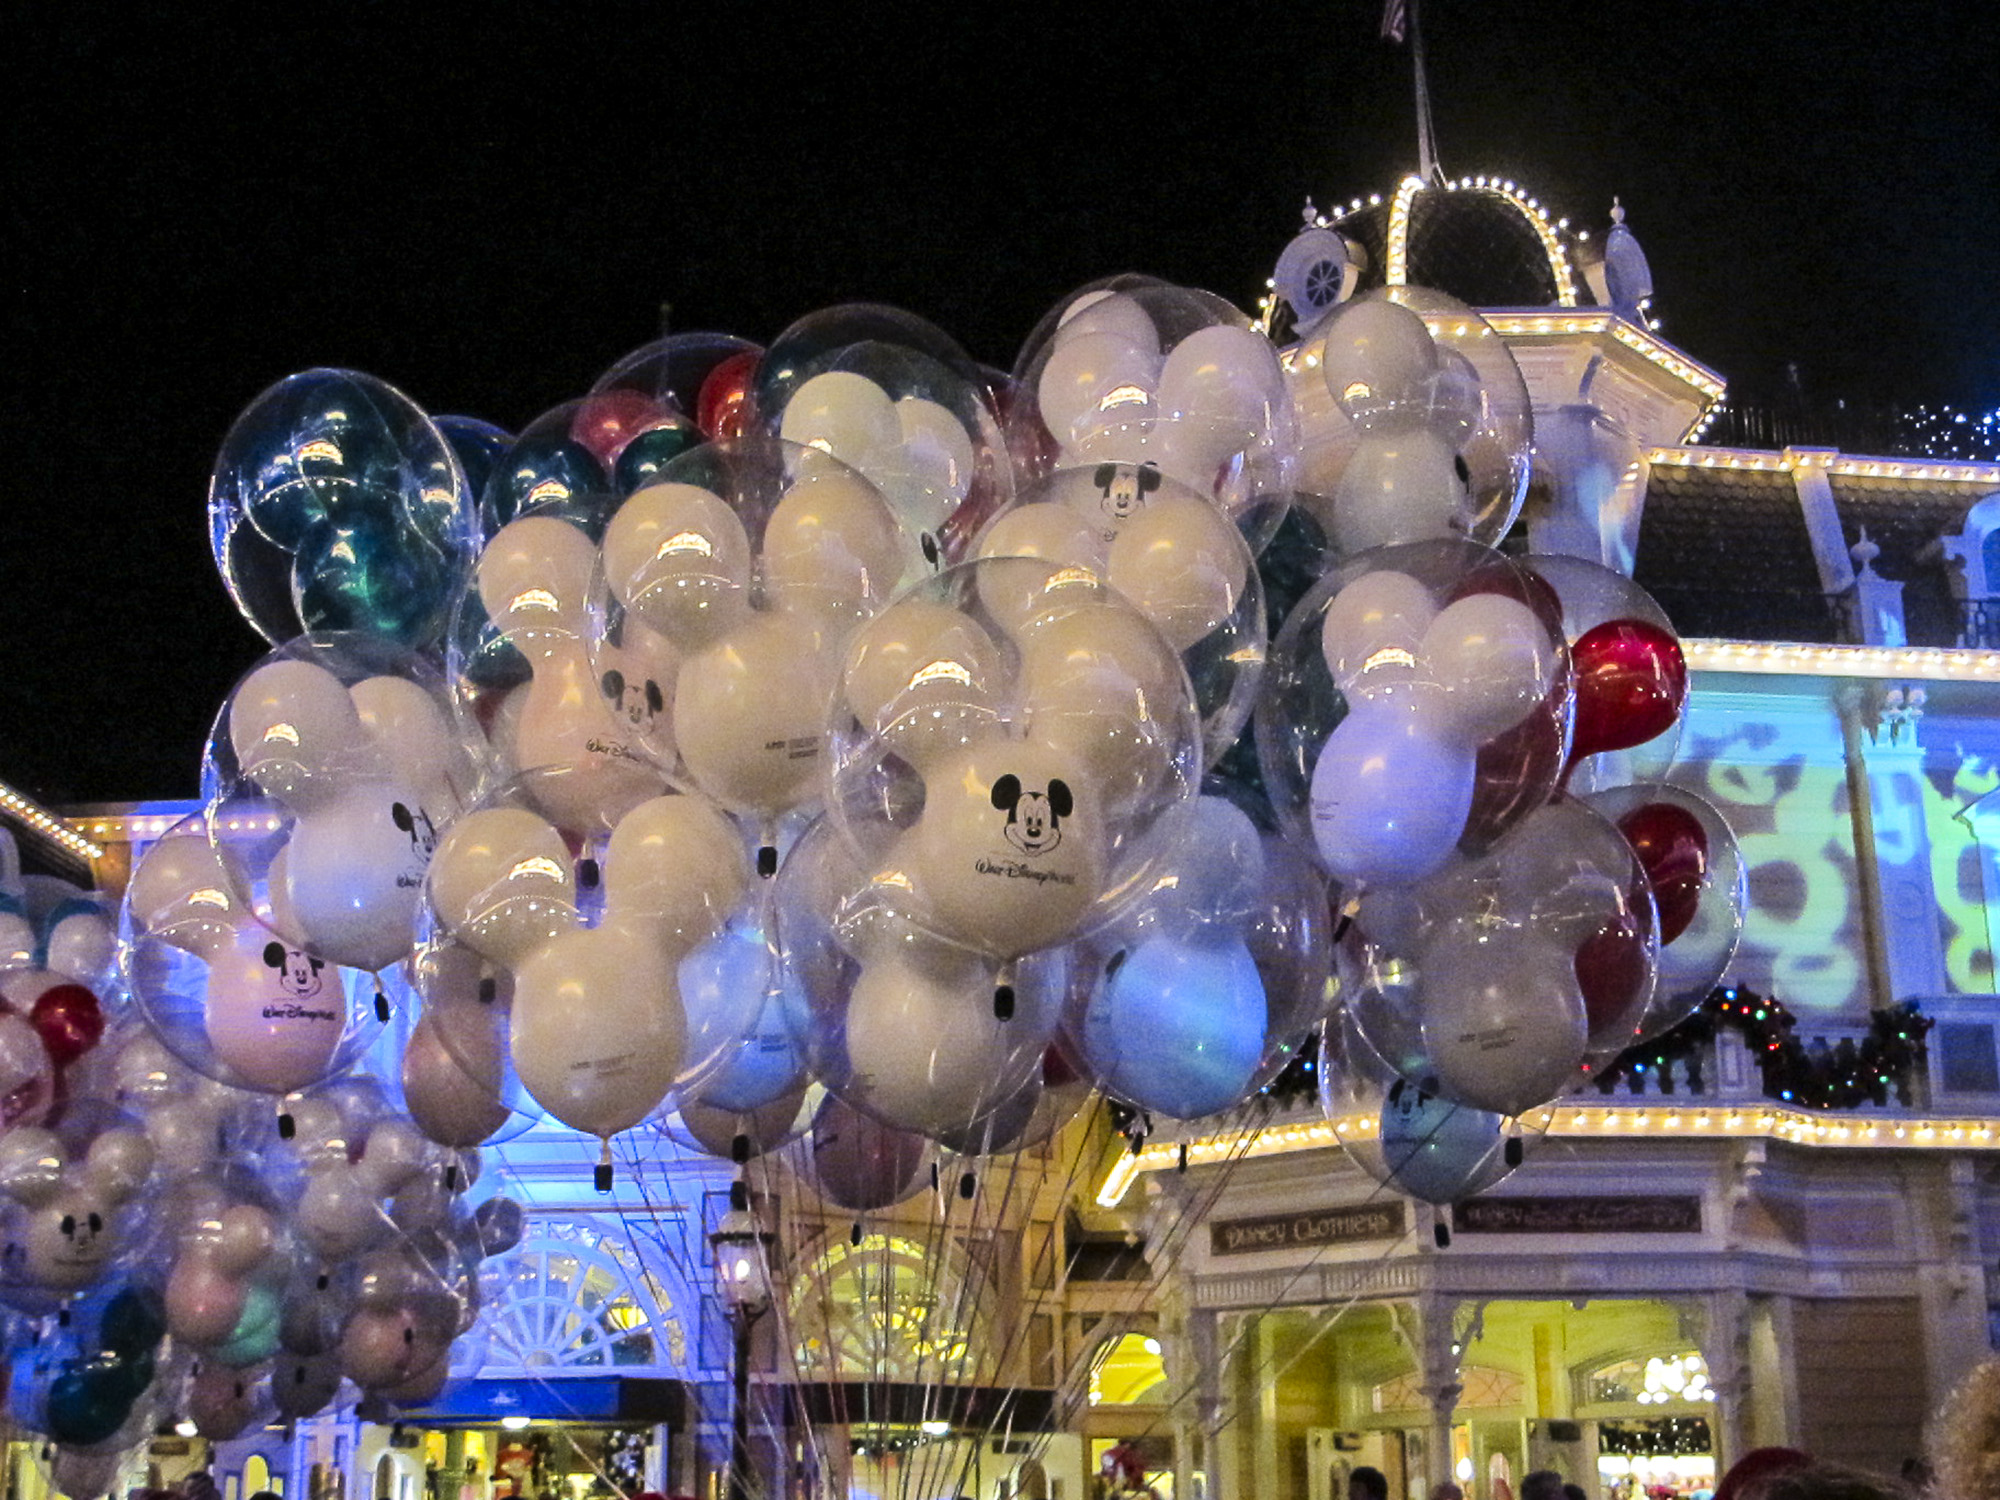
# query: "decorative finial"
(1311, 214)
(1617, 211)
(1864, 553)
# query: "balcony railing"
(1979, 624)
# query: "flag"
(1395, 19)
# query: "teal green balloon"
(370, 573)
(640, 462)
(134, 1322)
(88, 1404)
(255, 1336)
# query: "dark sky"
(486, 206)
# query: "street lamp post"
(742, 1249)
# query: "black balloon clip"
(1003, 1002)
(767, 860)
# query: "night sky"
(487, 206)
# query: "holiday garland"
(1843, 1076)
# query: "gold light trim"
(40, 820)
(1928, 663)
(1759, 1121)
(1838, 465)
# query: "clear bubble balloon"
(331, 771)
(1700, 884)
(1137, 373)
(593, 933)
(995, 772)
(336, 505)
(524, 684)
(729, 587)
(1414, 422)
(1418, 703)
(894, 397)
(228, 992)
(1171, 552)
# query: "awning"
(585, 1398)
(973, 1408)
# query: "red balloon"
(722, 410)
(1673, 848)
(1631, 681)
(1611, 970)
(69, 1021)
(606, 422)
(1514, 773)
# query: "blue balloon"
(548, 474)
(479, 447)
(1178, 1027)
(1436, 1150)
(735, 1009)
(1389, 798)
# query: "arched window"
(1976, 580)
(889, 1309)
(574, 1300)
(1128, 1370)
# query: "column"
(1438, 1363)
(1900, 849)
(1267, 1473)
(1725, 1344)
(1204, 1354)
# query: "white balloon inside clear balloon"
(1373, 630)
(1390, 796)
(832, 547)
(678, 558)
(1009, 855)
(1400, 486)
(502, 883)
(1183, 564)
(752, 713)
(274, 1014)
(367, 803)
(1493, 662)
(925, 1046)
(1093, 380)
(1502, 1016)
(926, 677)
(1220, 388)
(1377, 357)
(534, 580)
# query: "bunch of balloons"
(837, 752)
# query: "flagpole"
(1426, 146)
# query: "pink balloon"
(203, 1304)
